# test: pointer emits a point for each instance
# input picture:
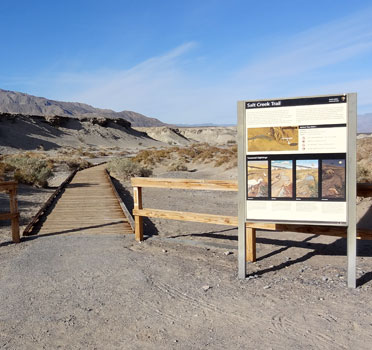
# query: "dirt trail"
(106, 291)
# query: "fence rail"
(10, 187)
(363, 190)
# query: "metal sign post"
(297, 165)
(351, 192)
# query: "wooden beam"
(187, 216)
(190, 184)
(138, 219)
(8, 185)
(251, 244)
(364, 190)
(8, 216)
(15, 219)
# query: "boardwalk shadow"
(75, 230)
(81, 184)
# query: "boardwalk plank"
(88, 205)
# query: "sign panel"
(296, 159)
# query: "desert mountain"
(20, 103)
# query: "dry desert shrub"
(75, 163)
(195, 153)
(126, 168)
(35, 168)
(29, 168)
(178, 166)
(364, 171)
(364, 164)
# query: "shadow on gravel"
(76, 230)
(212, 234)
(364, 279)
(337, 248)
(5, 244)
(149, 228)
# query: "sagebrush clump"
(196, 153)
(28, 169)
(125, 168)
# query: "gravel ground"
(179, 288)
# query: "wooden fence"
(364, 190)
(11, 188)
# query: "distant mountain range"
(20, 103)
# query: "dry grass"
(35, 168)
(125, 168)
(364, 160)
(28, 168)
(178, 157)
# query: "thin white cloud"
(169, 88)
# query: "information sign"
(296, 160)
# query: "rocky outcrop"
(58, 121)
(30, 132)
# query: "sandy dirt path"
(81, 291)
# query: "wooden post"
(138, 220)
(14, 212)
(251, 244)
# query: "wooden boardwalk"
(88, 205)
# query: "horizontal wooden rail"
(8, 216)
(187, 184)
(190, 184)
(363, 189)
(7, 185)
(187, 216)
(199, 217)
(11, 188)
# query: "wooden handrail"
(363, 189)
(188, 184)
(11, 188)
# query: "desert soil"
(179, 289)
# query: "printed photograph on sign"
(281, 178)
(273, 139)
(257, 173)
(307, 178)
(333, 178)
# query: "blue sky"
(186, 61)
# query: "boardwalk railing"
(364, 190)
(10, 187)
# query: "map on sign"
(296, 159)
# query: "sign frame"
(350, 183)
